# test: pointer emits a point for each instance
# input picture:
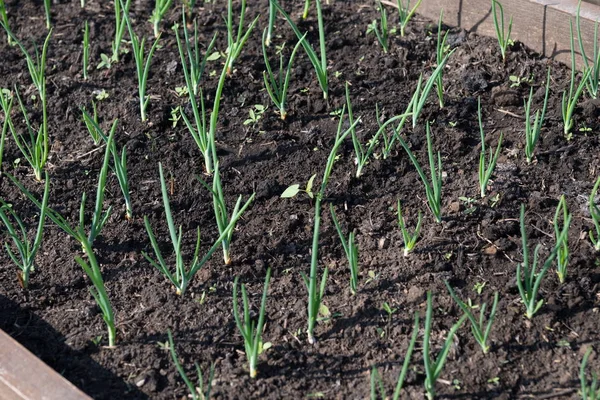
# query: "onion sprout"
(532, 131)
(235, 45)
(562, 252)
(486, 165)
(405, 14)
(409, 240)
(351, 250)
(503, 36)
(595, 214)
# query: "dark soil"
(478, 241)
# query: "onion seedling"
(272, 16)
(433, 190)
(6, 103)
(193, 68)
(533, 130)
(315, 295)
(182, 275)
(569, 101)
(196, 392)
(529, 283)
(403, 371)
(409, 240)
(405, 13)
(86, 49)
(92, 270)
(481, 331)
(320, 65)
(221, 214)
(234, 46)
(589, 391)
(593, 81)
(351, 250)
(142, 65)
(486, 165)
(383, 34)
(92, 125)
(562, 252)
(120, 25)
(441, 51)
(251, 330)
(26, 250)
(160, 9)
(503, 36)
(34, 146)
(277, 85)
(434, 367)
(306, 9)
(4, 21)
(47, 4)
(595, 214)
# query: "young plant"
(193, 65)
(400, 382)
(221, 214)
(92, 124)
(26, 250)
(533, 130)
(569, 101)
(405, 13)
(434, 367)
(120, 15)
(593, 81)
(198, 392)
(409, 240)
(272, 16)
(160, 9)
(320, 65)
(529, 283)
(486, 165)
(383, 35)
(251, 330)
(562, 252)
(503, 37)
(351, 250)
(589, 391)
(277, 85)
(441, 51)
(595, 214)
(433, 190)
(142, 65)
(315, 294)
(4, 22)
(234, 45)
(92, 270)
(480, 330)
(6, 103)
(47, 4)
(86, 49)
(182, 275)
(35, 146)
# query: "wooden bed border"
(23, 376)
(542, 25)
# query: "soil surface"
(477, 243)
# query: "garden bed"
(478, 242)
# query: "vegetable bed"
(476, 247)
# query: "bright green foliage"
(351, 250)
(24, 258)
(441, 51)
(529, 282)
(481, 331)
(251, 330)
(589, 391)
(562, 252)
(47, 4)
(320, 65)
(6, 103)
(533, 130)
(409, 240)
(593, 81)
(277, 84)
(4, 22)
(235, 44)
(434, 367)
(198, 391)
(433, 189)
(160, 9)
(382, 33)
(121, 12)
(595, 214)
(405, 13)
(486, 164)
(267, 38)
(142, 65)
(86, 50)
(377, 384)
(503, 36)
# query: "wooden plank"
(542, 25)
(25, 377)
